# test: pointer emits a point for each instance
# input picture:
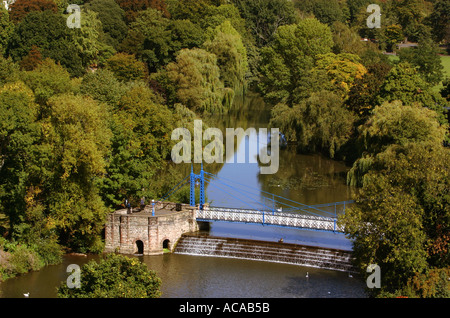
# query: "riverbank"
(17, 259)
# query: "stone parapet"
(144, 233)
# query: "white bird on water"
(27, 294)
(307, 275)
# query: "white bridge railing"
(289, 219)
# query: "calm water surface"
(185, 276)
(309, 179)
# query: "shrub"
(115, 276)
(24, 260)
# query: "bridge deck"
(288, 219)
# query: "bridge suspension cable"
(302, 206)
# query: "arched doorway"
(166, 245)
(140, 247)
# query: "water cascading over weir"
(325, 258)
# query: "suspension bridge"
(260, 207)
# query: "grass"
(445, 60)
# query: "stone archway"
(166, 244)
(139, 247)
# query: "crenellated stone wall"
(123, 230)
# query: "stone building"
(149, 231)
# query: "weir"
(325, 258)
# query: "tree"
(292, 53)
(432, 284)
(226, 44)
(90, 40)
(115, 276)
(141, 143)
(125, 67)
(391, 36)
(439, 20)
(319, 123)
(133, 7)
(79, 140)
(395, 124)
(346, 40)
(411, 15)
(49, 32)
(48, 79)
(193, 11)
(113, 20)
(385, 225)
(18, 135)
(425, 57)
(9, 71)
(196, 78)
(155, 39)
(217, 15)
(264, 17)
(355, 6)
(445, 91)
(401, 217)
(32, 60)
(103, 86)
(325, 11)
(342, 70)
(20, 8)
(404, 84)
(6, 29)
(362, 97)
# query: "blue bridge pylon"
(193, 178)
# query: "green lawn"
(445, 60)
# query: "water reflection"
(200, 277)
(309, 179)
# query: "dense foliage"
(115, 276)
(87, 113)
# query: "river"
(310, 179)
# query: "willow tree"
(394, 123)
(318, 123)
(196, 78)
(89, 39)
(226, 44)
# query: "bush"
(24, 260)
(49, 251)
(16, 258)
(116, 276)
